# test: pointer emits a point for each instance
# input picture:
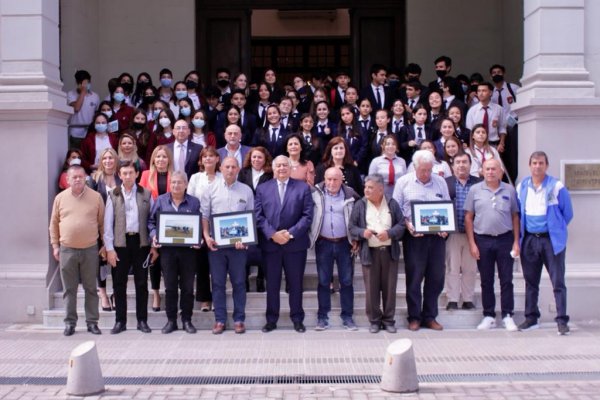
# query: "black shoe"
(468, 305)
(156, 309)
(169, 327)
(260, 285)
(189, 327)
(93, 329)
(452, 305)
(374, 328)
(143, 326)
(528, 325)
(563, 329)
(299, 327)
(390, 328)
(269, 326)
(118, 328)
(247, 285)
(69, 330)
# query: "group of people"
(321, 165)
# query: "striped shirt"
(409, 189)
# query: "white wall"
(109, 37)
(592, 41)
(474, 33)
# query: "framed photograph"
(433, 216)
(229, 228)
(178, 229)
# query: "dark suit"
(191, 159)
(388, 101)
(243, 150)
(294, 215)
(408, 133)
(262, 137)
(245, 176)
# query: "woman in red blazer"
(97, 133)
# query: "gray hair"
(422, 156)
(180, 174)
(231, 158)
(376, 178)
(283, 158)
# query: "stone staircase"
(256, 305)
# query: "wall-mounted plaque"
(581, 175)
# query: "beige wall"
(108, 37)
(474, 33)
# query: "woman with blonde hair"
(157, 180)
(128, 151)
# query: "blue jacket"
(559, 210)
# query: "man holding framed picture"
(178, 262)
(227, 195)
(423, 253)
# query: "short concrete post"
(399, 368)
(85, 376)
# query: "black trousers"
(179, 269)
(203, 292)
(132, 256)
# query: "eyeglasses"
(181, 128)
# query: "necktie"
(273, 135)
(445, 104)
(412, 104)
(391, 172)
(262, 110)
(379, 103)
(419, 135)
(307, 138)
(281, 191)
(486, 119)
(500, 103)
(181, 157)
(381, 135)
(284, 121)
(364, 123)
(396, 126)
(321, 128)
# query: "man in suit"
(233, 148)
(378, 94)
(185, 152)
(284, 212)
(443, 66)
(338, 93)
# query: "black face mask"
(497, 78)
(473, 88)
(138, 125)
(441, 73)
(149, 99)
(223, 83)
(191, 84)
(127, 87)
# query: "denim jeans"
(327, 253)
(222, 262)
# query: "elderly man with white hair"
(423, 253)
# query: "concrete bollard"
(400, 368)
(85, 376)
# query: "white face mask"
(108, 113)
(164, 122)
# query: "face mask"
(393, 82)
(149, 99)
(164, 122)
(191, 84)
(185, 111)
(440, 73)
(464, 88)
(166, 82)
(180, 94)
(119, 97)
(138, 125)
(101, 128)
(198, 123)
(498, 78)
(223, 83)
(155, 113)
(88, 86)
(128, 87)
(108, 113)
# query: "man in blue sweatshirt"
(546, 210)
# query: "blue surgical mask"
(465, 88)
(89, 86)
(198, 123)
(166, 82)
(155, 113)
(101, 127)
(180, 94)
(108, 113)
(185, 111)
(119, 97)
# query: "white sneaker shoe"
(509, 324)
(487, 323)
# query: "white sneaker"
(509, 324)
(487, 323)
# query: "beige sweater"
(77, 221)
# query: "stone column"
(559, 113)
(33, 122)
